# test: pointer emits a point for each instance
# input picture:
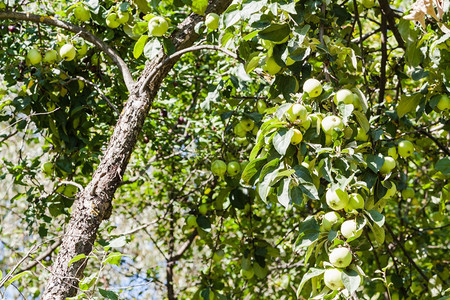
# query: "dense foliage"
(326, 130)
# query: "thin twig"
(9, 275)
(42, 256)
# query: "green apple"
(343, 96)
(82, 13)
(296, 137)
(248, 274)
(329, 219)
(47, 168)
(233, 168)
(348, 132)
(219, 167)
(157, 26)
(368, 3)
(261, 106)
(271, 66)
(388, 165)
(239, 130)
(305, 124)
(444, 103)
(67, 52)
(333, 279)
(348, 229)
(392, 152)
(212, 21)
(242, 141)
(313, 87)
(191, 221)
(361, 135)
(218, 255)
(50, 56)
(297, 112)
(337, 199)
(112, 21)
(247, 124)
(330, 123)
(123, 16)
(408, 193)
(356, 201)
(405, 148)
(203, 209)
(34, 56)
(340, 257)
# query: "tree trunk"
(94, 203)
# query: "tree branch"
(42, 256)
(390, 16)
(82, 32)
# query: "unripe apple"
(239, 130)
(248, 274)
(405, 148)
(297, 112)
(261, 106)
(271, 66)
(242, 141)
(408, 193)
(203, 209)
(50, 56)
(123, 16)
(191, 221)
(305, 124)
(340, 257)
(67, 52)
(444, 103)
(348, 132)
(212, 21)
(388, 165)
(233, 168)
(297, 137)
(47, 168)
(82, 13)
(247, 124)
(356, 201)
(34, 56)
(330, 123)
(329, 219)
(333, 279)
(348, 229)
(218, 167)
(313, 87)
(361, 135)
(336, 199)
(343, 96)
(392, 152)
(157, 26)
(111, 21)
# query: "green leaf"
(283, 192)
(87, 282)
(408, 103)
(309, 233)
(268, 173)
(251, 170)
(443, 165)
(375, 162)
(351, 280)
(275, 32)
(312, 272)
(152, 48)
(379, 233)
(16, 277)
(113, 258)
(76, 258)
(139, 46)
(199, 6)
(108, 294)
(362, 120)
(306, 183)
(204, 223)
(296, 195)
(118, 242)
(282, 140)
(376, 217)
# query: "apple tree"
(224, 149)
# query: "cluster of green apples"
(117, 17)
(81, 12)
(67, 52)
(241, 129)
(233, 168)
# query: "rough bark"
(94, 202)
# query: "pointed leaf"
(351, 280)
(139, 46)
(313, 272)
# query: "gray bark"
(94, 203)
